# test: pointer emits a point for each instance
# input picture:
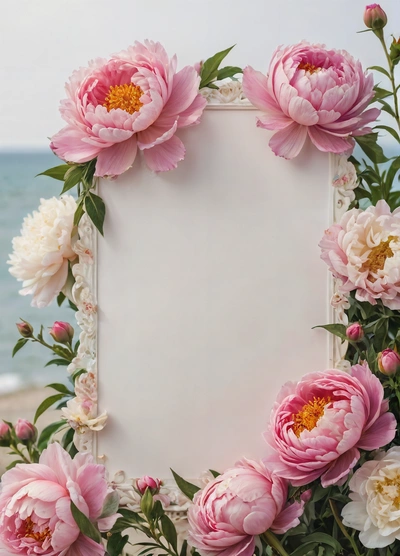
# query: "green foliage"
(187, 488)
(86, 527)
(210, 71)
(48, 402)
(19, 345)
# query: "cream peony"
(363, 252)
(375, 506)
(43, 250)
(81, 415)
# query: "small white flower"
(42, 251)
(81, 415)
(229, 91)
(375, 506)
(345, 179)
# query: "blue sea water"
(20, 194)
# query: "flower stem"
(274, 543)
(19, 453)
(392, 81)
(343, 528)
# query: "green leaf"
(59, 362)
(390, 130)
(86, 527)
(60, 299)
(48, 432)
(369, 145)
(110, 505)
(48, 402)
(323, 538)
(60, 388)
(381, 93)
(228, 71)
(14, 463)
(387, 108)
(79, 211)
(169, 531)
(184, 548)
(381, 70)
(72, 178)
(57, 173)
(303, 550)
(215, 474)
(187, 488)
(116, 544)
(336, 329)
(96, 210)
(19, 345)
(209, 69)
(146, 502)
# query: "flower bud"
(388, 361)
(5, 434)
(395, 51)
(374, 17)
(25, 329)
(148, 482)
(25, 431)
(62, 332)
(355, 332)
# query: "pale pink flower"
(81, 415)
(236, 507)
(86, 386)
(315, 92)
(319, 425)
(345, 178)
(389, 361)
(363, 251)
(35, 505)
(4, 430)
(134, 100)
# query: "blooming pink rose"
(319, 424)
(134, 100)
(389, 361)
(35, 505)
(312, 91)
(363, 251)
(240, 504)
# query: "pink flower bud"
(374, 17)
(25, 329)
(148, 482)
(388, 361)
(62, 332)
(355, 332)
(25, 431)
(4, 430)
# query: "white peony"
(81, 415)
(375, 506)
(42, 251)
(345, 179)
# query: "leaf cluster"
(210, 71)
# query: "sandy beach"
(23, 404)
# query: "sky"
(42, 42)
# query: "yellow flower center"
(309, 68)
(126, 97)
(308, 417)
(378, 255)
(30, 533)
(390, 488)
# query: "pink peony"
(35, 505)
(146, 482)
(319, 424)
(312, 91)
(240, 504)
(363, 251)
(134, 100)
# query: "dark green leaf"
(169, 531)
(336, 329)
(79, 211)
(19, 345)
(110, 505)
(387, 108)
(146, 503)
(96, 210)
(303, 550)
(72, 178)
(60, 299)
(215, 474)
(60, 388)
(116, 544)
(86, 527)
(381, 70)
(77, 373)
(48, 432)
(184, 548)
(187, 488)
(72, 305)
(209, 69)
(57, 173)
(323, 538)
(381, 93)
(369, 145)
(48, 402)
(390, 130)
(14, 463)
(158, 511)
(228, 71)
(59, 362)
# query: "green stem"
(343, 528)
(392, 81)
(19, 453)
(274, 543)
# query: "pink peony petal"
(302, 112)
(288, 142)
(379, 434)
(185, 90)
(288, 518)
(255, 87)
(165, 156)
(340, 468)
(116, 159)
(329, 143)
